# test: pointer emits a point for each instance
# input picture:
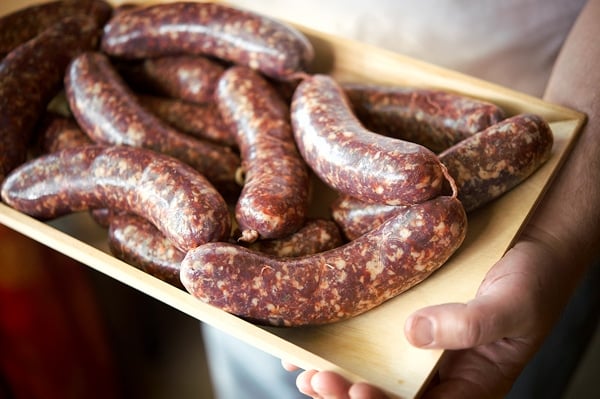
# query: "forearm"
(569, 217)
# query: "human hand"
(489, 340)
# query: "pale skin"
(491, 338)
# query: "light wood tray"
(370, 347)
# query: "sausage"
(317, 235)
(210, 29)
(203, 121)
(436, 119)
(136, 241)
(30, 76)
(26, 23)
(183, 77)
(497, 159)
(333, 285)
(107, 110)
(355, 217)
(354, 160)
(103, 216)
(57, 132)
(274, 198)
(177, 199)
(484, 167)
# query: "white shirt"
(510, 42)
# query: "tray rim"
(265, 338)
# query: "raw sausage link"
(317, 235)
(333, 285)
(137, 242)
(108, 112)
(484, 167)
(210, 29)
(30, 76)
(57, 132)
(353, 160)
(274, 199)
(355, 217)
(203, 121)
(436, 119)
(495, 160)
(178, 200)
(26, 23)
(183, 77)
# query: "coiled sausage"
(212, 29)
(274, 198)
(108, 112)
(353, 160)
(333, 285)
(177, 199)
(495, 160)
(436, 119)
(183, 77)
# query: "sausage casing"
(26, 23)
(212, 29)
(183, 77)
(57, 132)
(30, 76)
(492, 162)
(353, 160)
(355, 217)
(139, 243)
(177, 199)
(203, 121)
(107, 110)
(484, 167)
(333, 285)
(317, 235)
(436, 119)
(273, 202)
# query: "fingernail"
(422, 331)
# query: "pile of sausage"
(193, 132)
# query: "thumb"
(458, 325)
(505, 307)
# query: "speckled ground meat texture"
(107, 110)
(30, 76)
(199, 120)
(184, 77)
(275, 195)
(353, 160)
(57, 132)
(436, 119)
(317, 235)
(26, 23)
(355, 217)
(333, 285)
(178, 200)
(492, 162)
(138, 242)
(211, 29)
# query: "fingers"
(287, 366)
(323, 385)
(511, 302)
(365, 391)
(330, 385)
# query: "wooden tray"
(370, 347)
